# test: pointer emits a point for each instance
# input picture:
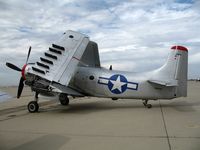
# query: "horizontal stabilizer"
(159, 83)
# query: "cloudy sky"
(133, 35)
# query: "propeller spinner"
(23, 78)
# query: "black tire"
(33, 106)
(64, 100)
(149, 105)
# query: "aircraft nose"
(23, 71)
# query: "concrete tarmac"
(101, 124)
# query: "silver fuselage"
(140, 88)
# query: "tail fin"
(176, 70)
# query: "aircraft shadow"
(89, 107)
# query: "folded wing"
(59, 62)
(55, 68)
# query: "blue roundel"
(117, 84)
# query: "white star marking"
(117, 84)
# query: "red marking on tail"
(180, 48)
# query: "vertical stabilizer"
(176, 69)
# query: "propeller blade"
(13, 67)
(20, 88)
(110, 67)
(29, 51)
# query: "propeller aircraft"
(71, 67)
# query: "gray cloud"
(134, 32)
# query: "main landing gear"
(33, 105)
(63, 98)
(146, 104)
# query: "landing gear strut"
(146, 104)
(33, 105)
(64, 100)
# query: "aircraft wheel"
(148, 105)
(64, 100)
(33, 106)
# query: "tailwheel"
(33, 106)
(149, 106)
(146, 104)
(64, 100)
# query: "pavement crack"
(165, 127)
